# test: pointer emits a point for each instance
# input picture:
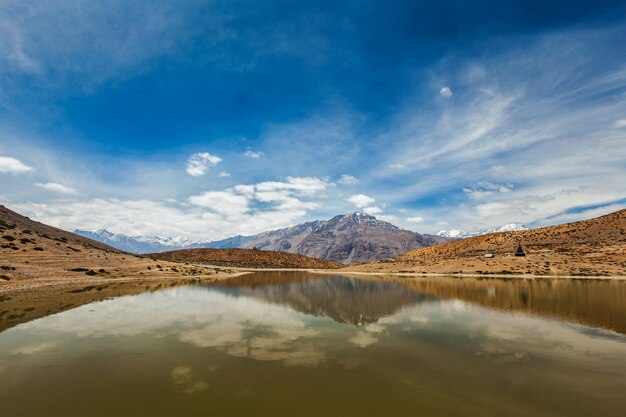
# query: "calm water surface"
(301, 344)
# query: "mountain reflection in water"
(305, 344)
(359, 300)
(344, 299)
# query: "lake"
(295, 343)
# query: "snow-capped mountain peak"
(456, 233)
(462, 234)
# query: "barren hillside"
(250, 258)
(586, 248)
(34, 254)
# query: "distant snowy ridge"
(462, 234)
(146, 244)
(352, 237)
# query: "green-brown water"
(301, 344)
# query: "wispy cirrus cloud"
(527, 141)
(57, 188)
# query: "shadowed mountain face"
(350, 238)
(345, 300)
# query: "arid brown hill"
(249, 258)
(586, 248)
(34, 254)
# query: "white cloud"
(225, 202)
(620, 123)
(492, 209)
(373, 210)
(486, 189)
(199, 163)
(245, 209)
(348, 180)
(13, 166)
(445, 92)
(224, 174)
(361, 200)
(304, 186)
(416, 219)
(56, 187)
(254, 154)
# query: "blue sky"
(210, 119)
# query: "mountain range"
(462, 234)
(349, 238)
(593, 247)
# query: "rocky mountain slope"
(354, 237)
(586, 248)
(350, 238)
(250, 258)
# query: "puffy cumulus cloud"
(244, 209)
(445, 92)
(254, 154)
(361, 200)
(56, 187)
(13, 166)
(283, 197)
(415, 219)
(372, 210)
(348, 180)
(199, 163)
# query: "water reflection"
(344, 299)
(360, 300)
(297, 344)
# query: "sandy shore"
(27, 285)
